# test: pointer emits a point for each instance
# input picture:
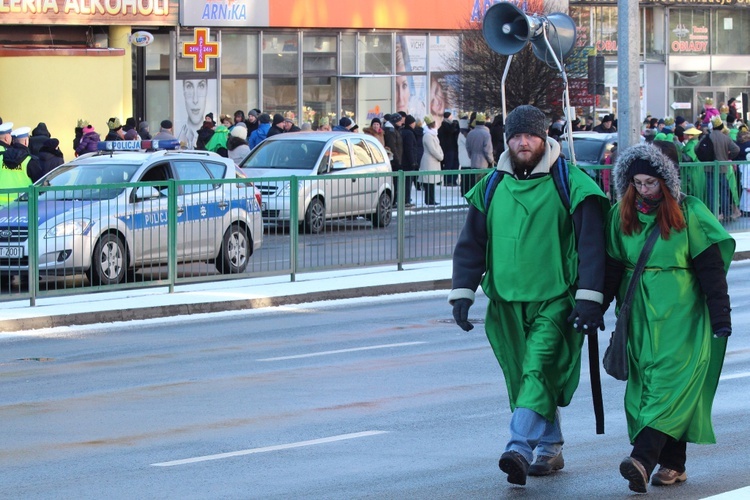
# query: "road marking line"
(734, 375)
(339, 351)
(740, 494)
(299, 444)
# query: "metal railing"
(177, 232)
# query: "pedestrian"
(324, 124)
(165, 132)
(78, 133)
(345, 125)
(724, 150)
(505, 238)
(259, 135)
(38, 136)
(376, 130)
(143, 131)
(277, 126)
(129, 125)
(289, 125)
(89, 141)
(252, 121)
(205, 133)
(218, 141)
(19, 168)
(5, 136)
(132, 135)
(409, 157)
(606, 127)
(680, 313)
(467, 181)
(433, 155)
(448, 136)
(395, 145)
(116, 133)
(497, 133)
(694, 178)
(50, 156)
(479, 144)
(237, 146)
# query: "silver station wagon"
(339, 175)
(97, 216)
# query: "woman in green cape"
(680, 316)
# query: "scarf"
(648, 205)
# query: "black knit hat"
(264, 118)
(643, 166)
(409, 120)
(375, 120)
(526, 120)
(277, 118)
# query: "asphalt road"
(370, 398)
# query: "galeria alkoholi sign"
(90, 12)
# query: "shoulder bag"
(616, 356)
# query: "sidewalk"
(251, 293)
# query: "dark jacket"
(204, 135)
(274, 130)
(419, 133)
(448, 136)
(49, 159)
(38, 136)
(496, 133)
(409, 158)
(112, 136)
(259, 135)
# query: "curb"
(114, 316)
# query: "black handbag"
(615, 359)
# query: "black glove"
(461, 314)
(587, 316)
(723, 332)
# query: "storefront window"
(691, 78)
(349, 97)
(319, 54)
(688, 31)
(279, 95)
(318, 98)
(729, 33)
(731, 79)
(348, 53)
(157, 104)
(157, 56)
(652, 33)
(280, 54)
(244, 54)
(375, 53)
(604, 30)
(239, 94)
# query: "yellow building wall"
(59, 90)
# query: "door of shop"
(718, 97)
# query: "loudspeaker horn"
(561, 34)
(506, 28)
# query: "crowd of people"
(667, 243)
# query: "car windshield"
(285, 155)
(587, 150)
(87, 175)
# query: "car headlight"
(68, 228)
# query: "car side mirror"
(146, 193)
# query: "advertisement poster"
(194, 99)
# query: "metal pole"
(502, 93)
(628, 74)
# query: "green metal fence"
(174, 232)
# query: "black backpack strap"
(495, 177)
(560, 174)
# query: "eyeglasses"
(648, 184)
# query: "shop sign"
(606, 46)
(701, 3)
(224, 13)
(141, 38)
(90, 12)
(689, 39)
(200, 49)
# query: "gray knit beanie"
(526, 120)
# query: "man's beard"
(526, 166)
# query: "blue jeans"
(530, 431)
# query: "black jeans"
(652, 447)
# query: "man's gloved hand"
(461, 314)
(723, 332)
(587, 316)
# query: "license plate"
(11, 252)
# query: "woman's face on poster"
(195, 99)
(437, 98)
(403, 94)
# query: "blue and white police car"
(106, 214)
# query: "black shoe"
(632, 470)
(515, 465)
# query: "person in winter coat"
(467, 181)
(448, 136)
(259, 135)
(694, 178)
(204, 134)
(395, 144)
(376, 130)
(680, 314)
(724, 150)
(479, 144)
(50, 156)
(252, 122)
(165, 132)
(19, 168)
(89, 141)
(419, 132)
(529, 316)
(496, 132)
(409, 156)
(218, 141)
(277, 126)
(743, 142)
(433, 155)
(237, 146)
(143, 131)
(38, 136)
(116, 133)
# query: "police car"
(105, 214)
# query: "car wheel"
(384, 211)
(315, 217)
(108, 262)
(235, 252)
